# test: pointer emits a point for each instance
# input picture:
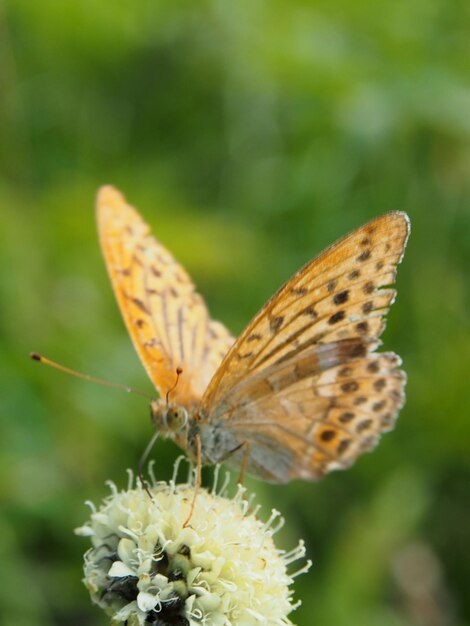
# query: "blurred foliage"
(250, 135)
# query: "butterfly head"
(168, 418)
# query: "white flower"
(223, 569)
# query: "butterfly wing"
(302, 421)
(325, 320)
(166, 318)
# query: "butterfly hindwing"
(305, 427)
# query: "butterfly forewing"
(167, 320)
(337, 302)
(336, 296)
(217, 344)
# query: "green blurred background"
(250, 135)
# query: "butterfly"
(302, 391)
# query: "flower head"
(223, 569)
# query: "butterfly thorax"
(217, 441)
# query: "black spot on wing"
(341, 297)
(275, 323)
(337, 317)
(364, 256)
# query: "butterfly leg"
(198, 478)
(244, 465)
(143, 460)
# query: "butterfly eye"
(176, 418)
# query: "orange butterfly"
(302, 391)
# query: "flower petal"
(147, 601)
(119, 569)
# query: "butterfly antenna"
(37, 357)
(179, 371)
